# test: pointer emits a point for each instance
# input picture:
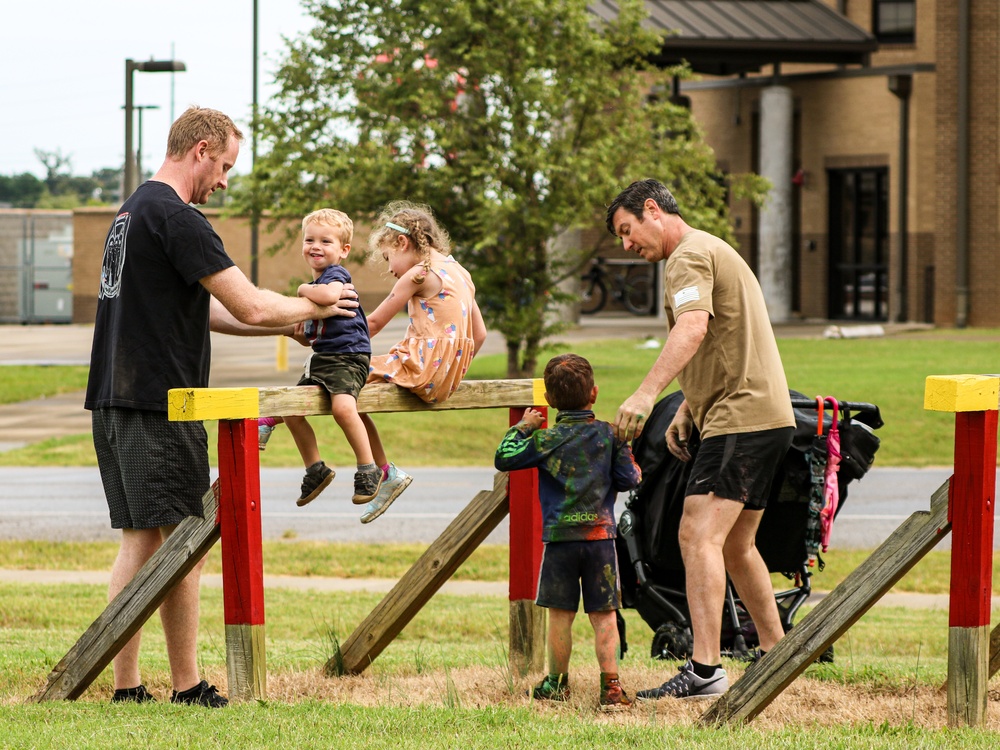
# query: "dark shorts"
(337, 373)
(568, 567)
(155, 472)
(739, 466)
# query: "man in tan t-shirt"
(722, 351)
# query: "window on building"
(894, 21)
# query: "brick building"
(877, 122)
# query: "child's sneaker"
(201, 694)
(317, 478)
(613, 698)
(133, 695)
(264, 430)
(552, 688)
(392, 487)
(686, 684)
(366, 485)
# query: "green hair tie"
(401, 230)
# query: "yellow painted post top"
(538, 392)
(196, 404)
(955, 393)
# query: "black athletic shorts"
(569, 567)
(739, 466)
(337, 373)
(155, 472)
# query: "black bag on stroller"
(649, 556)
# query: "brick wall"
(280, 264)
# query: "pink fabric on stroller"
(831, 487)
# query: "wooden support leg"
(527, 619)
(970, 510)
(845, 605)
(242, 563)
(176, 557)
(420, 582)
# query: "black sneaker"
(201, 694)
(686, 684)
(366, 485)
(317, 478)
(133, 695)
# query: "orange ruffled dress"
(434, 356)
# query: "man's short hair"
(569, 381)
(634, 197)
(331, 217)
(201, 124)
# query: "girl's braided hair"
(420, 226)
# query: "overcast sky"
(62, 72)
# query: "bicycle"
(632, 286)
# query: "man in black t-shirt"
(166, 282)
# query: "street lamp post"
(130, 181)
(138, 148)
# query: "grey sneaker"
(392, 487)
(366, 485)
(686, 684)
(317, 478)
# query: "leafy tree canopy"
(513, 119)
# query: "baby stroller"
(649, 556)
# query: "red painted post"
(974, 401)
(527, 621)
(242, 560)
(970, 509)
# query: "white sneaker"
(392, 487)
(686, 684)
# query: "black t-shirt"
(152, 327)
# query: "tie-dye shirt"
(581, 469)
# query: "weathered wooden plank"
(845, 605)
(123, 617)
(527, 637)
(968, 650)
(958, 393)
(246, 660)
(470, 527)
(187, 404)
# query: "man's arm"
(223, 321)
(255, 307)
(682, 343)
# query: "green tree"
(22, 190)
(514, 119)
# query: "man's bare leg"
(137, 546)
(751, 578)
(179, 614)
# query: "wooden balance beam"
(232, 513)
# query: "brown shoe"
(613, 698)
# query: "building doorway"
(859, 244)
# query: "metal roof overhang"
(727, 37)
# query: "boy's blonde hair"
(331, 217)
(418, 223)
(201, 124)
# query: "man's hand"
(345, 306)
(531, 419)
(632, 416)
(299, 334)
(679, 432)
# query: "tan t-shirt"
(735, 382)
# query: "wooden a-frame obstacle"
(964, 506)
(232, 513)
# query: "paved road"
(68, 504)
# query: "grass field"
(444, 682)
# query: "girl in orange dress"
(446, 327)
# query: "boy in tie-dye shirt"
(582, 468)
